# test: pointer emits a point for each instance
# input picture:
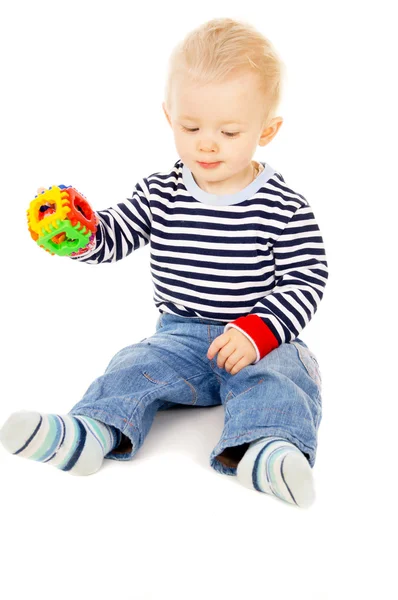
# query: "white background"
(81, 91)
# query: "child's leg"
(168, 367)
(272, 414)
(116, 413)
(74, 444)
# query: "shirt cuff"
(261, 336)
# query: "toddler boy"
(238, 267)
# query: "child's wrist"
(90, 246)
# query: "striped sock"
(275, 466)
(71, 443)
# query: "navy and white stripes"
(263, 255)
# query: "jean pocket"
(309, 362)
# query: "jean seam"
(165, 386)
(193, 390)
(220, 378)
(145, 374)
(249, 388)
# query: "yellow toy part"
(58, 200)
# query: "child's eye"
(227, 133)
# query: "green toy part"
(75, 238)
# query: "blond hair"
(224, 47)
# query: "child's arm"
(121, 229)
(301, 272)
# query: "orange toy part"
(57, 239)
(33, 235)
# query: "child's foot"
(71, 443)
(275, 466)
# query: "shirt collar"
(226, 199)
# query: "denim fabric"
(280, 395)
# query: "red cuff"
(258, 331)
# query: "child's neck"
(230, 185)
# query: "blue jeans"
(280, 395)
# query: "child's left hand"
(235, 351)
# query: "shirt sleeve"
(301, 272)
(121, 229)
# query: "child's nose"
(207, 144)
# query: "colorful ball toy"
(61, 221)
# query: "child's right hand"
(82, 215)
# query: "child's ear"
(166, 113)
(270, 131)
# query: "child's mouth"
(212, 165)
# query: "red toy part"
(46, 209)
(81, 212)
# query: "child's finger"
(217, 344)
(40, 190)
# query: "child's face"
(219, 123)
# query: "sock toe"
(73, 444)
(277, 467)
(298, 477)
(18, 429)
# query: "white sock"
(275, 466)
(71, 443)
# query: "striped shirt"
(254, 260)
